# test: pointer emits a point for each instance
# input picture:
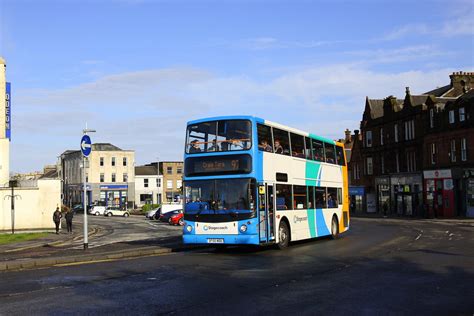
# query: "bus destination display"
(218, 165)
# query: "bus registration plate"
(215, 240)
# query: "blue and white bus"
(248, 181)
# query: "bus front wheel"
(283, 235)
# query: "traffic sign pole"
(86, 148)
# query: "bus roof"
(260, 120)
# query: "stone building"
(172, 172)
(392, 155)
(110, 174)
(148, 185)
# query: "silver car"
(153, 214)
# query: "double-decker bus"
(248, 181)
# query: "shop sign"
(406, 188)
(356, 190)
(8, 113)
(437, 174)
(113, 186)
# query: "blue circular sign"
(86, 145)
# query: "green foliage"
(147, 207)
(12, 238)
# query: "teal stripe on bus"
(312, 222)
(312, 178)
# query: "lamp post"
(12, 184)
(84, 159)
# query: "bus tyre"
(283, 235)
(334, 228)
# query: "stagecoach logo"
(206, 227)
(297, 219)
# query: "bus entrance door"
(266, 213)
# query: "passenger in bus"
(265, 146)
(330, 160)
(214, 146)
(278, 147)
(194, 148)
(332, 202)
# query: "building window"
(124, 161)
(411, 163)
(145, 183)
(102, 177)
(382, 164)
(395, 130)
(410, 130)
(397, 161)
(462, 115)
(433, 153)
(370, 167)
(179, 184)
(125, 177)
(169, 184)
(431, 118)
(113, 177)
(158, 182)
(113, 161)
(451, 116)
(368, 139)
(179, 170)
(453, 150)
(101, 161)
(463, 149)
(381, 136)
(169, 170)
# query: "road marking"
(111, 260)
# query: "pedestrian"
(69, 215)
(57, 219)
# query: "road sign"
(86, 146)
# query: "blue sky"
(136, 71)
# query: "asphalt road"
(379, 267)
(120, 229)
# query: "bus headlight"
(243, 228)
(189, 228)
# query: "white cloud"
(147, 110)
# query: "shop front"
(407, 194)
(439, 193)
(113, 195)
(467, 193)
(357, 199)
(382, 185)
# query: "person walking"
(69, 215)
(57, 219)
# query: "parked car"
(79, 208)
(177, 219)
(116, 211)
(166, 217)
(97, 210)
(152, 214)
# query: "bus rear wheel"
(334, 228)
(283, 235)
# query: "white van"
(97, 210)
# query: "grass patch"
(9, 238)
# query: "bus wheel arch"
(284, 230)
(334, 226)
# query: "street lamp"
(86, 237)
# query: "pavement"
(67, 249)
